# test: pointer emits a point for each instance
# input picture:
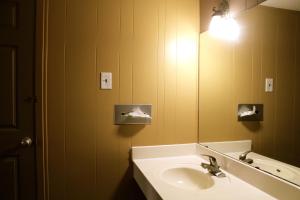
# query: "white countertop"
(149, 169)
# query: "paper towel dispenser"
(133, 114)
(250, 112)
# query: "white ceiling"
(284, 4)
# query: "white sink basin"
(174, 172)
(187, 178)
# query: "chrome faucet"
(213, 167)
(243, 157)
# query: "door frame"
(41, 20)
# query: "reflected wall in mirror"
(232, 73)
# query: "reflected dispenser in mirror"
(250, 112)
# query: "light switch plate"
(106, 80)
(269, 85)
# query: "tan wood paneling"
(80, 94)
(108, 60)
(187, 74)
(217, 75)
(145, 64)
(143, 43)
(257, 79)
(297, 96)
(233, 73)
(243, 72)
(56, 97)
(170, 71)
(268, 55)
(285, 65)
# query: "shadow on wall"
(129, 130)
(252, 126)
(128, 189)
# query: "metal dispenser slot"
(250, 112)
(133, 114)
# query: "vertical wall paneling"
(125, 92)
(109, 61)
(145, 64)
(297, 88)
(268, 55)
(257, 79)
(284, 74)
(56, 106)
(243, 70)
(143, 44)
(170, 71)
(187, 62)
(161, 53)
(294, 85)
(219, 74)
(80, 98)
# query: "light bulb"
(224, 27)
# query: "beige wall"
(233, 73)
(151, 47)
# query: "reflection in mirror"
(233, 73)
(241, 150)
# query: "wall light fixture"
(222, 24)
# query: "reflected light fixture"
(222, 24)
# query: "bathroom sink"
(187, 178)
(275, 168)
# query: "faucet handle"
(213, 166)
(244, 155)
(212, 160)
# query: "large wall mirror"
(234, 72)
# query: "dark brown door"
(17, 122)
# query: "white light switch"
(106, 80)
(269, 85)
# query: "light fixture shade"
(224, 27)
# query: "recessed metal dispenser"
(133, 114)
(250, 112)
